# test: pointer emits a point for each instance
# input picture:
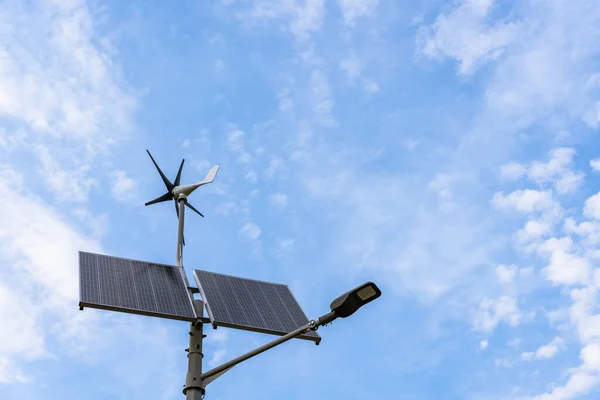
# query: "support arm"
(214, 373)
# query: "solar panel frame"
(153, 293)
(235, 305)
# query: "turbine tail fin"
(210, 175)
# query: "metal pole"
(193, 379)
(193, 389)
(181, 204)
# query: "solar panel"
(252, 305)
(132, 286)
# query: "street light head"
(349, 302)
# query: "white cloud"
(217, 336)
(483, 345)
(544, 74)
(590, 355)
(592, 207)
(565, 267)
(588, 230)
(39, 237)
(75, 95)
(98, 224)
(244, 158)
(235, 140)
(549, 350)
(549, 68)
(465, 35)
(300, 18)
(514, 342)
(219, 66)
(579, 383)
(351, 66)
(279, 200)
(42, 249)
(544, 352)
(307, 18)
(284, 247)
(10, 373)
(59, 86)
(557, 171)
(506, 273)
(442, 185)
(124, 189)
(250, 230)
(512, 171)
(63, 93)
(570, 263)
(526, 201)
(322, 100)
(371, 86)
(493, 311)
(276, 166)
(19, 332)
(412, 143)
(285, 101)
(413, 256)
(595, 165)
(217, 357)
(545, 171)
(353, 9)
(546, 67)
(71, 185)
(231, 208)
(251, 176)
(503, 363)
(533, 230)
(527, 356)
(236, 143)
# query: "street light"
(342, 307)
(347, 304)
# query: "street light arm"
(214, 373)
(250, 354)
(325, 319)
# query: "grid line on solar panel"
(251, 304)
(134, 286)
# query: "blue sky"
(446, 150)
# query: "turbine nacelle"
(175, 189)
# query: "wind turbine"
(175, 189)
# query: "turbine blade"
(177, 179)
(168, 183)
(192, 207)
(165, 197)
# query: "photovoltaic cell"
(251, 305)
(133, 286)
